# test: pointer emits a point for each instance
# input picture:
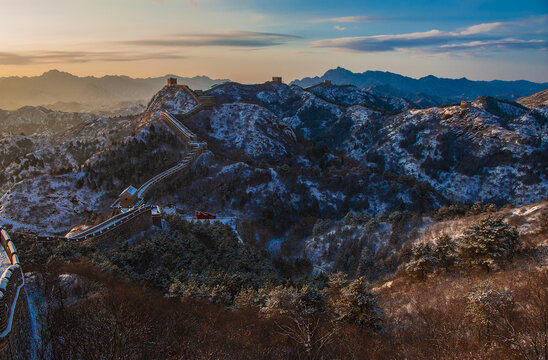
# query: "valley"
(337, 192)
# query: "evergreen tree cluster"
(487, 244)
(141, 159)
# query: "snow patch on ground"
(49, 204)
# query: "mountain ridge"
(437, 90)
(56, 88)
(535, 100)
(277, 150)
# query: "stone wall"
(15, 327)
(139, 221)
(178, 127)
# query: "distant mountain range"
(426, 91)
(66, 92)
(123, 95)
(276, 152)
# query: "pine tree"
(445, 251)
(488, 243)
(423, 261)
(247, 298)
(353, 302)
(350, 218)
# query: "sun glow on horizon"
(249, 41)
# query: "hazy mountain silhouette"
(56, 87)
(426, 91)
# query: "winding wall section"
(139, 217)
(14, 318)
(15, 328)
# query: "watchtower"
(172, 81)
(464, 104)
(128, 197)
(277, 79)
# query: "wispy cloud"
(226, 39)
(53, 57)
(340, 28)
(347, 19)
(499, 44)
(144, 49)
(386, 42)
(495, 35)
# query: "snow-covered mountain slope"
(282, 157)
(170, 99)
(30, 120)
(350, 95)
(350, 155)
(39, 180)
(461, 153)
(363, 245)
(282, 100)
(54, 202)
(246, 128)
(285, 101)
(533, 101)
(311, 116)
(468, 154)
(23, 157)
(50, 203)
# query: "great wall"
(15, 327)
(133, 216)
(130, 218)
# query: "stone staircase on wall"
(115, 225)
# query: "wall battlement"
(207, 102)
(15, 332)
(139, 217)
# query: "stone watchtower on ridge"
(206, 101)
(172, 81)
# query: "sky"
(252, 40)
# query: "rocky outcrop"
(535, 100)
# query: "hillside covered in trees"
(194, 290)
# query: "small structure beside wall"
(128, 197)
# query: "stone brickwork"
(139, 217)
(140, 221)
(15, 327)
(125, 224)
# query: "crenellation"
(139, 217)
(14, 318)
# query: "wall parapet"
(177, 126)
(117, 223)
(111, 225)
(11, 283)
